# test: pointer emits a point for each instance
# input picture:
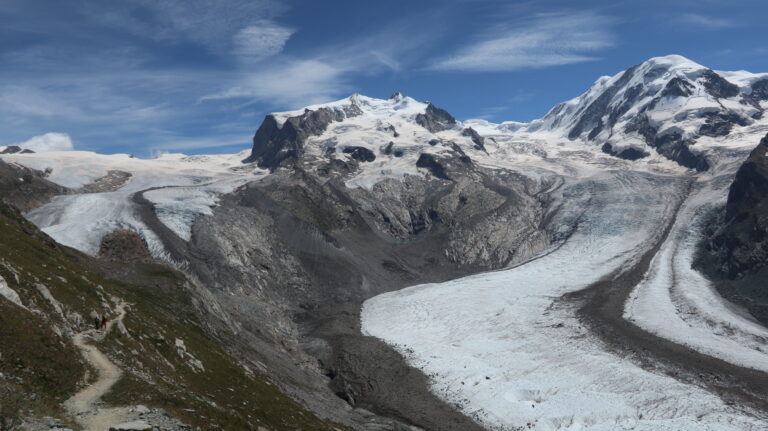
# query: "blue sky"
(197, 76)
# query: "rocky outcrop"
(124, 245)
(759, 90)
(718, 86)
(449, 165)
(390, 150)
(741, 244)
(26, 189)
(734, 252)
(15, 149)
(678, 87)
(110, 182)
(275, 144)
(435, 119)
(721, 123)
(674, 147)
(433, 164)
(626, 154)
(361, 154)
(478, 140)
(671, 145)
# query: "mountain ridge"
(663, 105)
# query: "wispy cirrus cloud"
(211, 23)
(542, 40)
(260, 40)
(706, 22)
(329, 71)
(129, 72)
(290, 82)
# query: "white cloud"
(541, 41)
(288, 82)
(707, 22)
(208, 22)
(259, 41)
(291, 83)
(174, 144)
(48, 142)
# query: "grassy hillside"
(167, 357)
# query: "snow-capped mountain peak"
(664, 104)
(357, 104)
(358, 123)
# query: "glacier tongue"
(680, 304)
(504, 349)
(82, 220)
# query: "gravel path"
(84, 405)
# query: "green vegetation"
(36, 353)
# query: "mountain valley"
(377, 264)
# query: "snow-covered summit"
(397, 105)
(358, 123)
(665, 104)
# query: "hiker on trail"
(104, 322)
(96, 323)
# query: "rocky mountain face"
(364, 196)
(14, 149)
(736, 250)
(292, 258)
(746, 214)
(26, 188)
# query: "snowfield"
(181, 188)
(505, 349)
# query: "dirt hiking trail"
(84, 405)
